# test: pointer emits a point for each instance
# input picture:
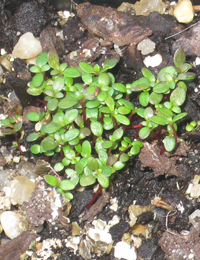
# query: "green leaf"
(169, 69)
(103, 181)
(179, 116)
(159, 120)
(51, 180)
(124, 157)
(135, 149)
(42, 59)
(87, 180)
(155, 98)
(93, 103)
(66, 185)
(161, 87)
(50, 128)
(35, 69)
(35, 149)
(71, 134)
(37, 80)
(96, 128)
(110, 63)
(144, 132)
(148, 112)
(108, 123)
(69, 195)
(70, 116)
(33, 116)
(129, 105)
(177, 97)
(165, 112)
(107, 144)
(169, 143)
(104, 79)
(52, 104)
(53, 60)
(58, 84)
(179, 58)
(118, 134)
(72, 73)
(103, 156)
(110, 103)
(58, 167)
(118, 165)
(148, 74)
(80, 165)
(87, 79)
(5, 122)
(67, 102)
(86, 149)
(123, 110)
(144, 98)
(34, 91)
(140, 84)
(48, 144)
(119, 87)
(93, 164)
(122, 119)
(86, 67)
(32, 137)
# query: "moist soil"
(144, 181)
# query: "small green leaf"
(118, 165)
(144, 132)
(53, 60)
(104, 79)
(169, 143)
(110, 103)
(177, 97)
(48, 144)
(129, 105)
(70, 116)
(72, 73)
(32, 137)
(161, 87)
(67, 102)
(103, 156)
(80, 165)
(86, 149)
(33, 116)
(179, 116)
(148, 112)
(35, 69)
(96, 128)
(93, 103)
(87, 180)
(50, 128)
(93, 164)
(58, 84)
(66, 185)
(155, 98)
(86, 67)
(118, 134)
(35, 149)
(110, 63)
(103, 181)
(51, 180)
(37, 80)
(179, 58)
(159, 120)
(148, 74)
(144, 98)
(122, 119)
(5, 122)
(58, 167)
(119, 87)
(71, 134)
(69, 195)
(124, 157)
(107, 144)
(52, 104)
(108, 123)
(34, 91)
(87, 79)
(42, 59)
(135, 149)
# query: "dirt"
(157, 181)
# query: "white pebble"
(184, 11)
(125, 251)
(153, 61)
(146, 46)
(27, 47)
(13, 224)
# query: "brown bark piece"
(17, 246)
(160, 164)
(96, 208)
(118, 27)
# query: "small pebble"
(153, 61)
(193, 218)
(124, 251)
(13, 224)
(146, 46)
(184, 11)
(27, 47)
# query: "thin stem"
(99, 191)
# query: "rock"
(145, 7)
(194, 219)
(13, 223)
(153, 61)
(27, 47)
(5, 176)
(118, 27)
(184, 11)
(146, 46)
(124, 251)
(21, 189)
(27, 169)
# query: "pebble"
(145, 7)
(193, 218)
(21, 189)
(13, 223)
(184, 11)
(125, 251)
(153, 61)
(146, 46)
(27, 47)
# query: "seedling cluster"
(87, 113)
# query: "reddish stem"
(18, 144)
(99, 191)
(57, 175)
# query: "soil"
(159, 183)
